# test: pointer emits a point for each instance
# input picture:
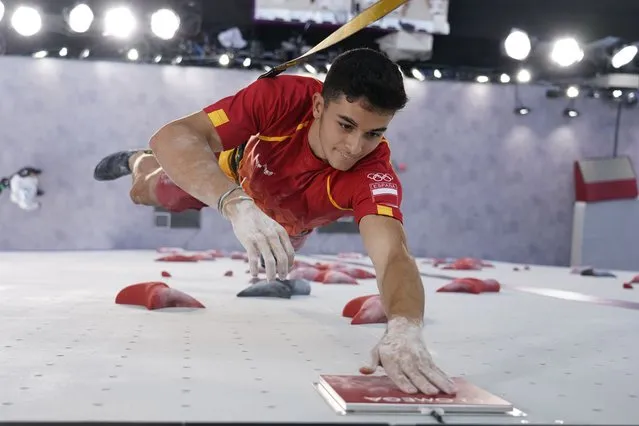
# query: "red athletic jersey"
(279, 170)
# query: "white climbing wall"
(69, 353)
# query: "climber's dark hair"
(368, 75)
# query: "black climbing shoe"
(116, 165)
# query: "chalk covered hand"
(259, 235)
(24, 190)
(406, 360)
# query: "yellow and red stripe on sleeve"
(217, 116)
(365, 209)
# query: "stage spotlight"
(119, 22)
(437, 74)
(224, 60)
(26, 21)
(418, 74)
(572, 92)
(133, 55)
(1, 10)
(165, 23)
(566, 52)
(80, 18)
(504, 78)
(523, 76)
(570, 113)
(482, 79)
(40, 54)
(522, 110)
(246, 63)
(517, 45)
(310, 68)
(63, 52)
(624, 56)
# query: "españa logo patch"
(385, 193)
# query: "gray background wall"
(481, 181)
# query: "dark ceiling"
(478, 27)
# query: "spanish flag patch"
(385, 193)
(385, 210)
(218, 117)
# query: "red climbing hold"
(491, 286)
(306, 273)
(177, 258)
(165, 274)
(347, 269)
(462, 285)
(302, 264)
(228, 274)
(215, 253)
(628, 285)
(357, 273)
(336, 277)
(239, 256)
(330, 274)
(372, 312)
(354, 305)
(205, 256)
(365, 310)
(155, 295)
(471, 285)
(465, 263)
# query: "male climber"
(288, 154)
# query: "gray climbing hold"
(267, 289)
(301, 287)
(277, 288)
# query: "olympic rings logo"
(380, 177)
